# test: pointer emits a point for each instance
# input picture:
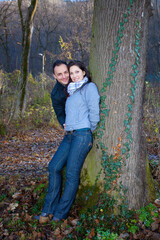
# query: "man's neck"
(64, 85)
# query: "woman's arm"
(92, 99)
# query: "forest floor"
(23, 180)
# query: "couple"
(75, 100)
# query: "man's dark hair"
(58, 63)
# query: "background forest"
(61, 29)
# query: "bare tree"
(6, 12)
(27, 29)
(46, 28)
(78, 29)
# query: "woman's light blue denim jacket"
(82, 108)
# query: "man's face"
(61, 74)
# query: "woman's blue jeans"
(72, 153)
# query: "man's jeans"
(72, 153)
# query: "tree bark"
(27, 29)
(106, 23)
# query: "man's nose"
(64, 75)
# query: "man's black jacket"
(58, 101)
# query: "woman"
(82, 116)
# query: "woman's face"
(76, 74)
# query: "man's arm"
(59, 108)
(58, 103)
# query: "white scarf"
(73, 86)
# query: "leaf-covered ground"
(23, 180)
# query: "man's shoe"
(44, 217)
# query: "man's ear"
(54, 75)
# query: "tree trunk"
(27, 29)
(117, 27)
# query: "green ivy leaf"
(133, 91)
(120, 35)
(104, 84)
(134, 84)
(130, 108)
(128, 115)
(102, 118)
(114, 63)
(128, 155)
(135, 79)
(100, 133)
(132, 98)
(103, 105)
(134, 67)
(102, 145)
(137, 41)
(108, 82)
(123, 150)
(126, 130)
(105, 112)
(134, 74)
(103, 98)
(102, 90)
(113, 69)
(125, 122)
(129, 136)
(121, 23)
(102, 127)
(114, 51)
(127, 146)
(128, 126)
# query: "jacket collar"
(60, 84)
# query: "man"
(61, 74)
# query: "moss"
(88, 193)
(91, 168)
(2, 129)
(87, 197)
(151, 191)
